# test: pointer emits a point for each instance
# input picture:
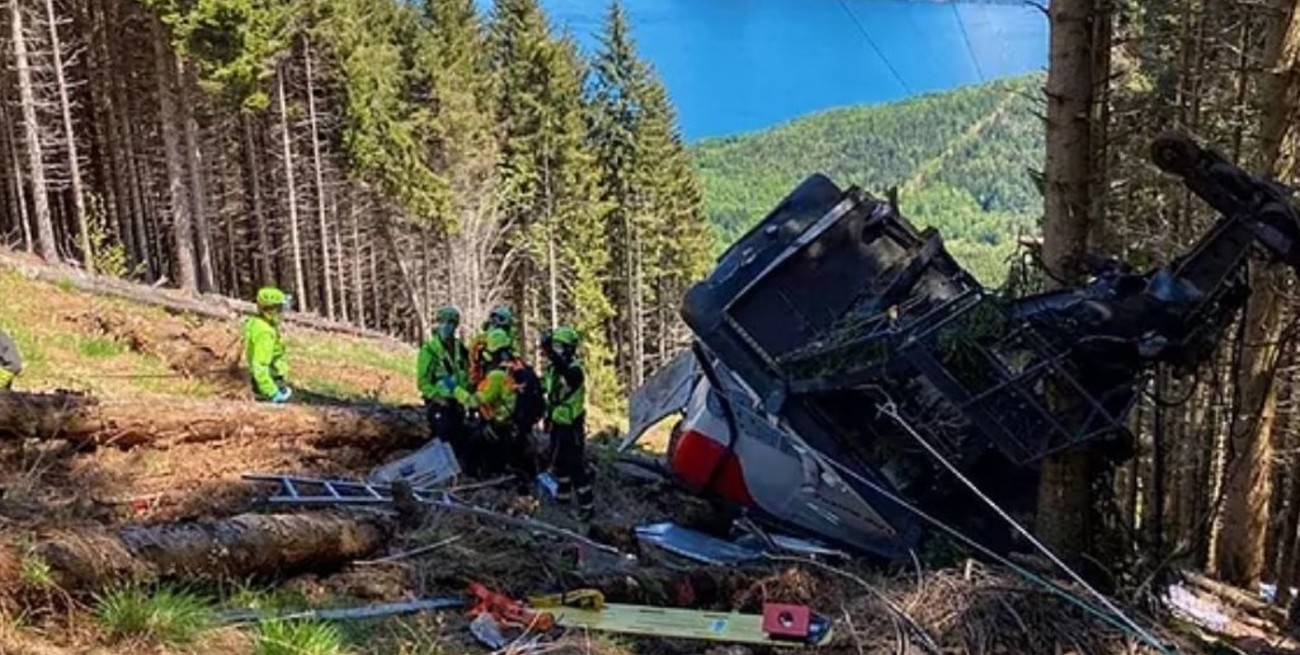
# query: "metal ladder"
(315, 491)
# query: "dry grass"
(110, 346)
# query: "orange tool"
(508, 610)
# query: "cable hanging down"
(1110, 614)
(874, 48)
(965, 37)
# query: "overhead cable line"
(966, 38)
(871, 42)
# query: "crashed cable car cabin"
(843, 360)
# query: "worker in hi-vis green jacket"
(264, 349)
(11, 361)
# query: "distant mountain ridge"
(961, 160)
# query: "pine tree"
(618, 80)
(461, 138)
(572, 227)
(522, 56)
(682, 237)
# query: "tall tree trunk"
(32, 140)
(358, 305)
(320, 182)
(132, 201)
(1064, 519)
(404, 272)
(298, 284)
(20, 205)
(338, 259)
(194, 162)
(70, 140)
(1248, 485)
(177, 198)
(263, 254)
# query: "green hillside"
(960, 159)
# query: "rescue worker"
(264, 349)
(500, 318)
(11, 361)
(564, 384)
(496, 397)
(443, 379)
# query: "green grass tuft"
(99, 347)
(34, 571)
(277, 637)
(167, 616)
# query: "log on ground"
(128, 422)
(206, 305)
(242, 547)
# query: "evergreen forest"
(374, 158)
(963, 161)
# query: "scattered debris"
(431, 465)
(347, 492)
(348, 613)
(695, 545)
(1198, 610)
(485, 629)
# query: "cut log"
(1239, 599)
(207, 305)
(242, 547)
(130, 422)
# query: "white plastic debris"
(433, 464)
(1200, 611)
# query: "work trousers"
(505, 448)
(569, 443)
(447, 422)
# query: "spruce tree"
(574, 232)
(617, 79)
(522, 54)
(681, 236)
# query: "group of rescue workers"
(480, 396)
(485, 400)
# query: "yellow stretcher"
(662, 622)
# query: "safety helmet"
(500, 316)
(270, 297)
(565, 335)
(497, 340)
(448, 314)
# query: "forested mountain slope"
(961, 160)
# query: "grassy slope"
(78, 341)
(74, 340)
(963, 146)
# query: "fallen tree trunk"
(208, 305)
(249, 545)
(131, 422)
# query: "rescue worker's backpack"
(530, 403)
